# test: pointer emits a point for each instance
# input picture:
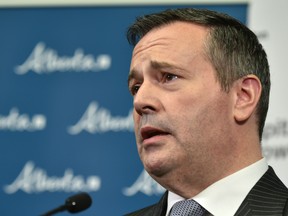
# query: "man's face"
(181, 115)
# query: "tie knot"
(187, 208)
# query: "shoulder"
(268, 197)
(270, 181)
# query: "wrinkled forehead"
(177, 30)
(174, 37)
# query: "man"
(200, 84)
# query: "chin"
(155, 169)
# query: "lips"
(149, 132)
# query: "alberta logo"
(99, 120)
(35, 180)
(16, 121)
(44, 60)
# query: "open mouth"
(149, 132)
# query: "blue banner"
(65, 111)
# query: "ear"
(247, 92)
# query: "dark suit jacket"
(269, 197)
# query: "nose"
(146, 100)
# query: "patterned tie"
(187, 208)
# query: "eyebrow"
(133, 74)
(160, 65)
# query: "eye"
(134, 89)
(169, 77)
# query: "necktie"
(187, 208)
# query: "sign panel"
(65, 111)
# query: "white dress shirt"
(224, 197)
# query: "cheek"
(200, 118)
(136, 119)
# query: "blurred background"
(65, 110)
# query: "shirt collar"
(225, 196)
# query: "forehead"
(176, 34)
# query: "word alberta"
(99, 120)
(34, 180)
(22, 122)
(45, 60)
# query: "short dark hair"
(233, 49)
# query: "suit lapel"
(158, 209)
(267, 197)
(161, 206)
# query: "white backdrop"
(269, 20)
